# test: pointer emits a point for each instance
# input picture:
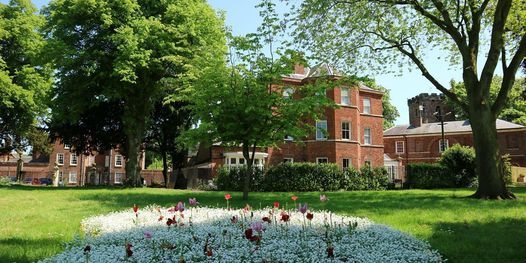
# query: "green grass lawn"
(35, 222)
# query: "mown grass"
(35, 222)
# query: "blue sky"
(243, 18)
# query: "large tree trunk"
(488, 160)
(179, 157)
(165, 168)
(132, 161)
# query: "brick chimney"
(299, 69)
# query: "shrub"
(365, 179)
(303, 177)
(232, 179)
(506, 168)
(428, 176)
(460, 162)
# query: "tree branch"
(508, 78)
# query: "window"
(346, 130)
(241, 161)
(512, 141)
(287, 93)
(289, 138)
(67, 146)
(72, 159)
(119, 178)
(118, 160)
(288, 160)
(443, 145)
(345, 98)
(91, 160)
(322, 160)
(367, 136)
(399, 146)
(233, 161)
(346, 163)
(321, 130)
(60, 158)
(72, 178)
(392, 173)
(107, 161)
(367, 106)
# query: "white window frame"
(440, 150)
(121, 175)
(403, 147)
(73, 156)
(320, 135)
(58, 159)
(288, 160)
(367, 136)
(348, 130)
(117, 157)
(288, 92)
(70, 181)
(322, 158)
(348, 163)
(67, 146)
(367, 108)
(345, 100)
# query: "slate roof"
(449, 127)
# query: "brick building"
(421, 141)
(352, 137)
(77, 170)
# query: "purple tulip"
(180, 207)
(148, 235)
(193, 201)
(257, 226)
(303, 209)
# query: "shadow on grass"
(22, 250)
(495, 241)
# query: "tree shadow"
(22, 250)
(500, 240)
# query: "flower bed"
(197, 234)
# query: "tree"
(370, 34)
(123, 54)
(169, 120)
(515, 106)
(241, 104)
(24, 80)
(389, 112)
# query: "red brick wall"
(425, 148)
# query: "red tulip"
(330, 252)
(129, 252)
(249, 233)
(209, 252)
(310, 216)
(285, 217)
(135, 208)
(161, 218)
(228, 196)
(266, 219)
(276, 204)
(294, 198)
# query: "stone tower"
(423, 106)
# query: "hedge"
(428, 176)
(304, 177)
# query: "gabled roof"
(320, 70)
(449, 127)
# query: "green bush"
(460, 162)
(365, 179)
(232, 179)
(506, 168)
(428, 176)
(303, 177)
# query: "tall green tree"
(24, 80)
(241, 104)
(515, 106)
(372, 33)
(125, 53)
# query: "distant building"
(353, 134)
(422, 109)
(77, 170)
(420, 140)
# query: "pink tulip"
(303, 209)
(193, 201)
(324, 198)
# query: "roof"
(449, 127)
